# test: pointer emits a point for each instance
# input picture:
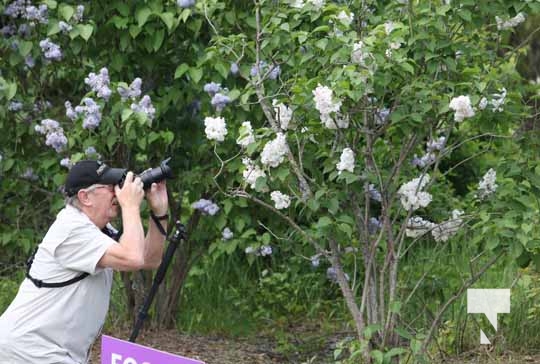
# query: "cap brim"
(112, 176)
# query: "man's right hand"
(131, 194)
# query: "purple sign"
(116, 351)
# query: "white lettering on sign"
(117, 359)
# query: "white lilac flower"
(227, 234)
(315, 260)
(346, 161)
(297, 4)
(487, 185)
(250, 250)
(498, 100)
(446, 229)
(246, 136)
(50, 50)
(281, 201)
(324, 103)
(436, 144)
(145, 106)
(510, 23)
(212, 88)
(207, 207)
(274, 151)
(339, 121)
(416, 227)
(185, 3)
(483, 103)
(425, 160)
(388, 27)
(132, 92)
(65, 27)
(215, 128)
(462, 107)
(317, 4)
(359, 54)
(411, 195)
(99, 83)
(283, 114)
(251, 172)
(66, 162)
(345, 18)
(219, 101)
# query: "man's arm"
(159, 204)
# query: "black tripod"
(179, 235)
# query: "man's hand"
(157, 198)
(131, 193)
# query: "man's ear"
(83, 197)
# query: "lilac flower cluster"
(55, 137)
(99, 83)
(91, 151)
(25, 10)
(8, 30)
(29, 174)
(132, 92)
(261, 251)
(207, 207)
(212, 88)
(273, 70)
(219, 99)
(79, 12)
(374, 194)
(234, 68)
(374, 225)
(50, 50)
(430, 157)
(66, 162)
(145, 106)
(185, 3)
(15, 106)
(65, 27)
(29, 61)
(90, 111)
(331, 274)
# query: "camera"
(152, 175)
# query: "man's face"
(104, 201)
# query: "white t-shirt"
(59, 325)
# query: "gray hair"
(74, 199)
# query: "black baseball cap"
(86, 173)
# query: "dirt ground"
(211, 350)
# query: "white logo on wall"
(489, 302)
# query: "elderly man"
(62, 304)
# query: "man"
(61, 305)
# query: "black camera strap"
(39, 283)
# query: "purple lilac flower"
(265, 250)
(331, 274)
(29, 61)
(14, 45)
(207, 207)
(8, 30)
(255, 70)
(145, 106)
(50, 50)
(234, 68)
(374, 225)
(219, 101)
(29, 174)
(374, 194)
(15, 106)
(47, 126)
(79, 12)
(24, 30)
(274, 73)
(132, 92)
(91, 112)
(70, 113)
(56, 140)
(34, 13)
(437, 144)
(99, 83)
(90, 151)
(185, 3)
(212, 88)
(65, 27)
(381, 117)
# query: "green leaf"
(394, 352)
(168, 19)
(126, 113)
(323, 222)
(158, 39)
(195, 74)
(378, 356)
(53, 27)
(142, 15)
(66, 11)
(180, 70)
(25, 47)
(134, 30)
(85, 30)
